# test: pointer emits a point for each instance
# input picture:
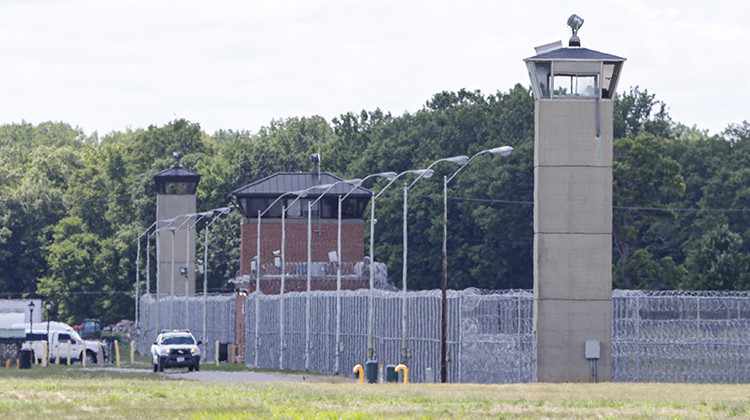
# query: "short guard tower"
(175, 198)
(573, 112)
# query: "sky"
(228, 64)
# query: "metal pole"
(158, 278)
(281, 290)
(187, 275)
(370, 318)
(309, 280)
(337, 352)
(137, 282)
(444, 287)
(205, 289)
(148, 282)
(404, 353)
(171, 288)
(257, 294)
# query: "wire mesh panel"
(219, 312)
(496, 337)
(678, 336)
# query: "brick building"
(279, 191)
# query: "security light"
(502, 151)
(459, 160)
(575, 22)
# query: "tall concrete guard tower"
(175, 198)
(573, 112)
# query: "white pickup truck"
(65, 344)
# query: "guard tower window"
(575, 85)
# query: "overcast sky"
(116, 64)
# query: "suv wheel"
(197, 366)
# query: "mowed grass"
(72, 393)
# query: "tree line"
(72, 205)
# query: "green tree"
(717, 262)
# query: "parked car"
(176, 348)
(64, 344)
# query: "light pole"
(310, 204)
(186, 272)
(300, 193)
(282, 327)
(158, 268)
(138, 276)
(188, 217)
(218, 212)
(371, 299)
(31, 317)
(502, 151)
(48, 306)
(389, 176)
(459, 160)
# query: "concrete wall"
(168, 207)
(572, 237)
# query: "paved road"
(220, 376)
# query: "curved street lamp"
(371, 299)
(389, 176)
(188, 217)
(217, 213)
(502, 151)
(186, 273)
(310, 204)
(299, 193)
(458, 160)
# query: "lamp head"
(31, 305)
(427, 173)
(48, 305)
(458, 160)
(575, 22)
(502, 151)
(387, 175)
(300, 194)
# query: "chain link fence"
(657, 336)
(219, 319)
(680, 336)
(489, 335)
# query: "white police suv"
(176, 348)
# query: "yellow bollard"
(83, 355)
(217, 353)
(233, 359)
(69, 346)
(117, 353)
(358, 369)
(132, 352)
(57, 354)
(406, 372)
(7, 364)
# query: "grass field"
(60, 392)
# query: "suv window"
(63, 337)
(178, 340)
